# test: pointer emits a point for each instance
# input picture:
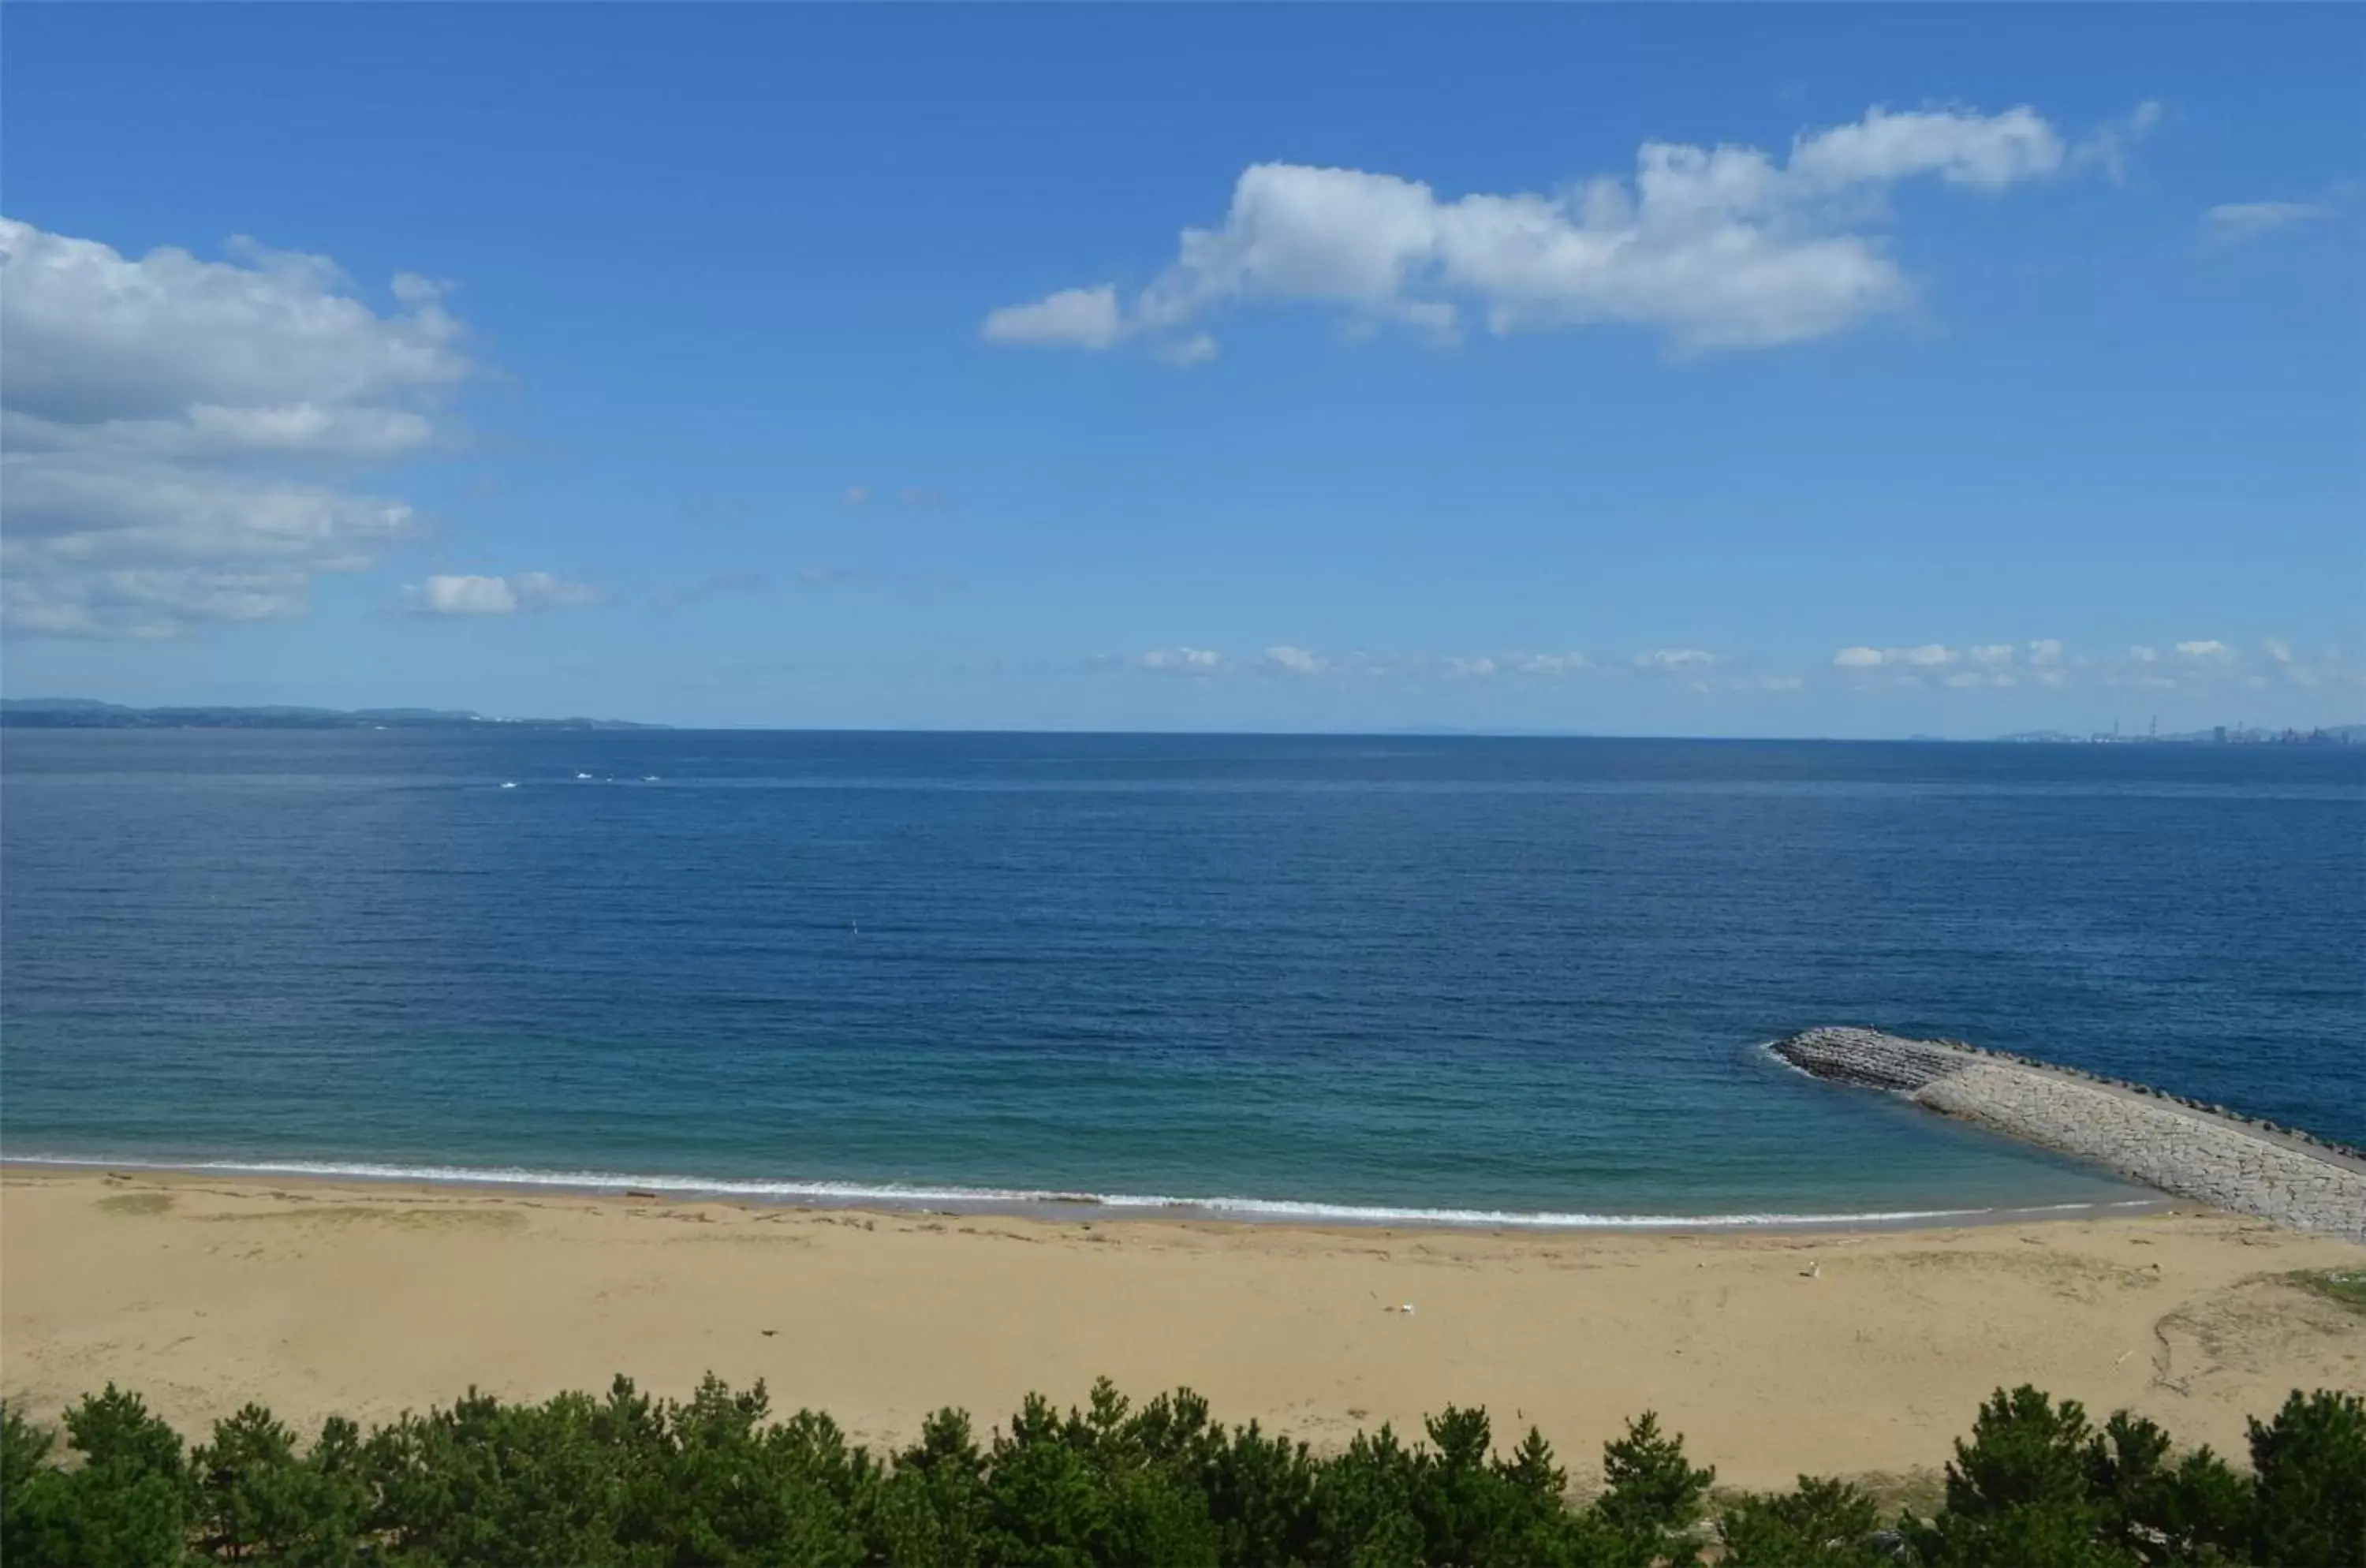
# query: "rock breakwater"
(2183, 1147)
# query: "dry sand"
(1774, 1353)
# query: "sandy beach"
(1773, 1352)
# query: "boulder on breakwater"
(2183, 1147)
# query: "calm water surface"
(1504, 976)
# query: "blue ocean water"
(1497, 975)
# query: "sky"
(1775, 370)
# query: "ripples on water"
(1489, 975)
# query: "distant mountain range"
(80, 712)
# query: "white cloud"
(1180, 660)
(541, 591)
(1546, 663)
(2209, 649)
(1074, 318)
(1723, 247)
(1479, 665)
(2108, 145)
(181, 434)
(1992, 654)
(1931, 655)
(2231, 222)
(1197, 349)
(2140, 654)
(1294, 661)
(464, 594)
(1675, 660)
(1989, 152)
(2046, 650)
(2278, 650)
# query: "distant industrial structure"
(2224, 735)
(2218, 735)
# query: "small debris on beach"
(637, 1192)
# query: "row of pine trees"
(627, 1480)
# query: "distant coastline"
(84, 712)
(80, 712)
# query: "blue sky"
(1675, 370)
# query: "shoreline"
(1776, 1351)
(1053, 1206)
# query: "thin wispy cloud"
(2233, 222)
(467, 594)
(820, 576)
(714, 584)
(903, 495)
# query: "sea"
(1388, 979)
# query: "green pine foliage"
(718, 1481)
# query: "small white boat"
(583, 775)
(509, 783)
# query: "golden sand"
(1773, 1352)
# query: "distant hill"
(81, 713)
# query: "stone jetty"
(2184, 1147)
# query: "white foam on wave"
(900, 1196)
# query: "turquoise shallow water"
(1525, 978)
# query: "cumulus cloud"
(466, 594)
(2046, 650)
(2208, 648)
(2231, 222)
(1992, 654)
(182, 435)
(1720, 247)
